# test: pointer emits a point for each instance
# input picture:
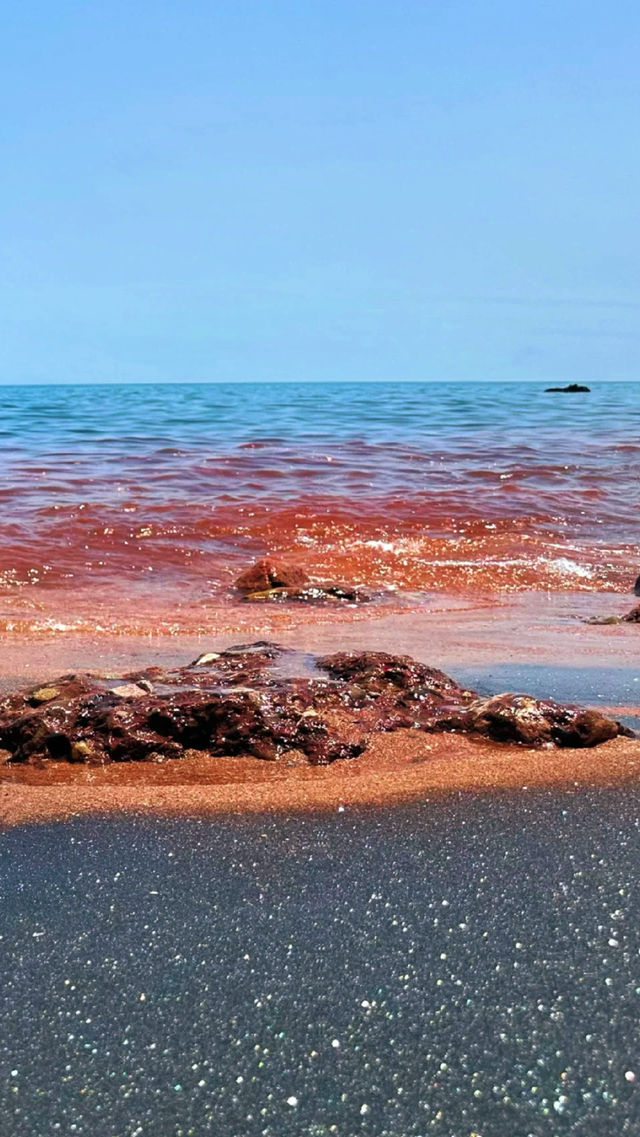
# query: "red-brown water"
(132, 510)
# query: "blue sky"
(307, 190)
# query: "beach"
(488, 540)
(435, 935)
(319, 570)
(525, 643)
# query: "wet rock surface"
(271, 581)
(315, 594)
(521, 718)
(632, 617)
(269, 702)
(267, 574)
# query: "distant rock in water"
(632, 617)
(636, 587)
(572, 388)
(269, 580)
(266, 701)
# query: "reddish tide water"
(133, 509)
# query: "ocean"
(133, 508)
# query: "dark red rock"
(378, 671)
(521, 718)
(267, 574)
(632, 617)
(315, 594)
(269, 581)
(267, 701)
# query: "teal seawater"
(186, 414)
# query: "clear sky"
(320, 189)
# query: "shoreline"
(532, 637)
(446, 630)
(396, 769)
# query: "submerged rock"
(316, 594)
(266, 575)
(265, 701)
(270, 581)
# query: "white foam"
(566, 567)
(385, 546)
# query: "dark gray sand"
(462, 967)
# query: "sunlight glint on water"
(160, 490)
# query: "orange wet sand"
(536, 628)
(402, 766)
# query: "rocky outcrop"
(268, 702)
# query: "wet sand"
(445, 630)
(403, 767)
(525, 642)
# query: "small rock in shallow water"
(604, 620)
(267, 574)
(315, 594)
(632, 617)
(272, 581)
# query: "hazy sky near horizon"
(320, 189)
